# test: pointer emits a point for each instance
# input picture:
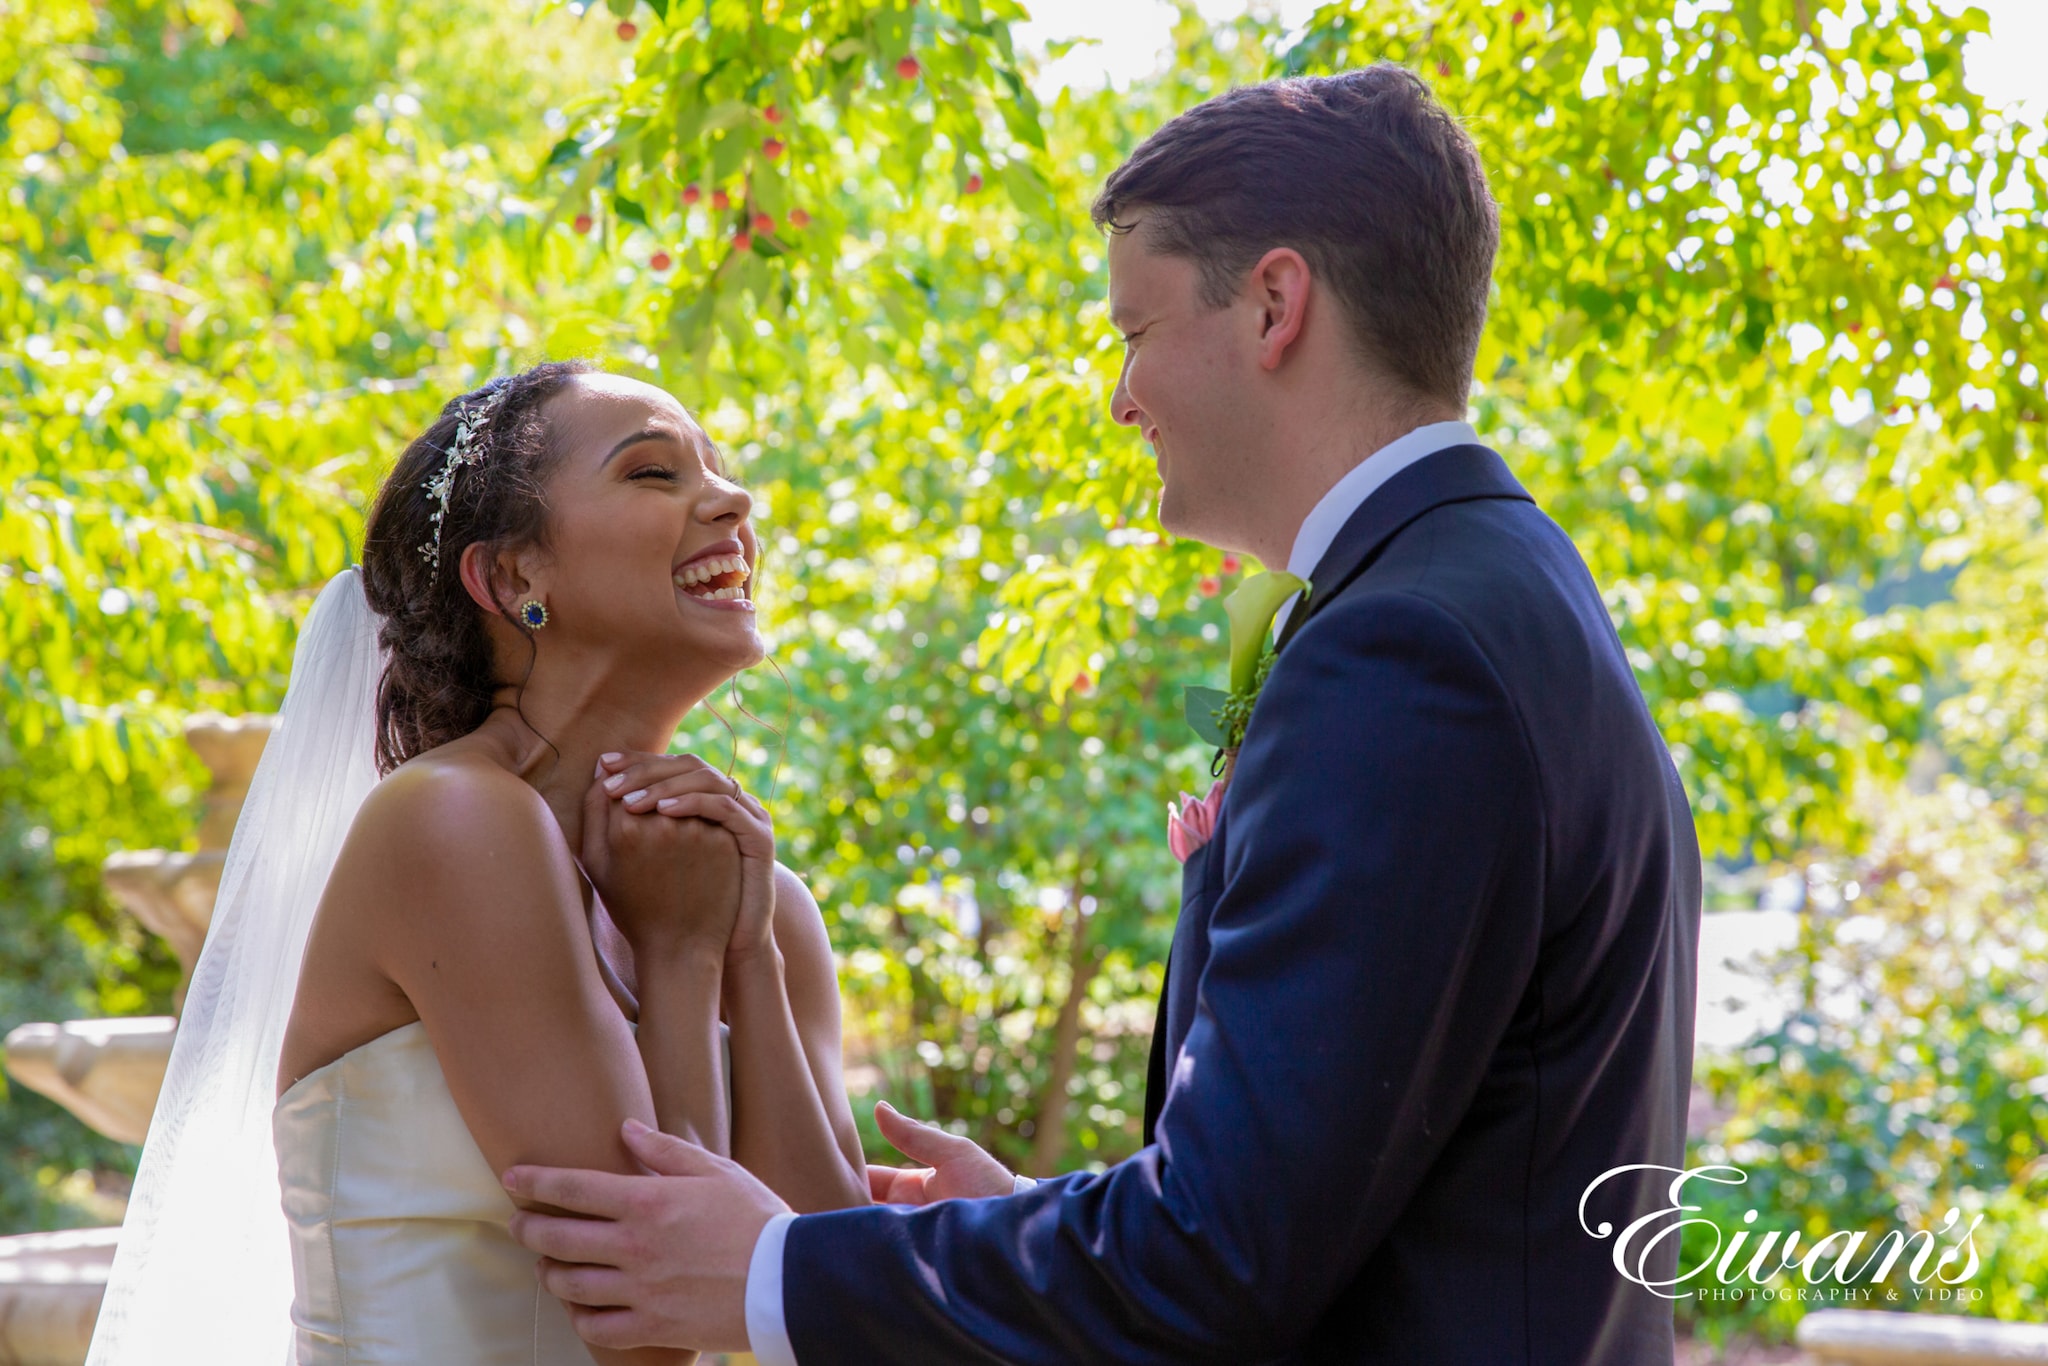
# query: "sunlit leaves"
(747, 138)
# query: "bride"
(473, 916)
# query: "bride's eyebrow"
(645, 434)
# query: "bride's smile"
(719, 576)
(648, 562)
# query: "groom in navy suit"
(1434, 971)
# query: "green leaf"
(628, 211)
(1201, 706)
(1027, 188)
(725, 114)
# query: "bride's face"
(651, 548)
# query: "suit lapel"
(1456, 474)
(1193, 875)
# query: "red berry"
(1230, 564)
(1945, 282)
(691, 194)
(1082, 682)
(764, 223)
(908, 68)
(659, 261)
(974, 184)
(583, 222)
(1209, 587)
(1443, 68)
(720, 199)
(799, 219)
(628, 30)
(772, 148)
(1518, 18)
(772, 114)
(743, 240)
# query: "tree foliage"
(1909, 1083)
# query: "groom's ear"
(1280, 287)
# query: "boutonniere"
(1220, 717)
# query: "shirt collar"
(1348, 494)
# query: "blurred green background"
(1766, 341)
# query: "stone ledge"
(107, 1072)
(1859, 1337)
(50, 1289)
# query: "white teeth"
(711, 569)
(737, 593)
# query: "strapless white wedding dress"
(400, 1252)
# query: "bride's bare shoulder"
(448, 807)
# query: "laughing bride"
(473, 916)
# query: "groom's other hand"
(658, 1261)
(955, 1168)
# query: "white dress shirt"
(767, 1328)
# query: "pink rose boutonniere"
(1189, 825)
(1221, 717)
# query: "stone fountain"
(108, 1072)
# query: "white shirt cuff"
(767, 1330)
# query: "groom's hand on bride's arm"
(954, 1168)
(654, 1261)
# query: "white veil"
(203, 1270)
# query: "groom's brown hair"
(1364, 174)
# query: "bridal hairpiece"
(468, 422)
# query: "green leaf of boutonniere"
(1220, 717)
(1204, 707)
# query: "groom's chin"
(1180, 521)
(1172, 513)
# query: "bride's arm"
(792, 1126)
(480, 924)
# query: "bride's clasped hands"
(682, 856)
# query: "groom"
(1434, 970)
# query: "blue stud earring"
(534, 613)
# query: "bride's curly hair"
(438, 675)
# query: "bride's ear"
(493, 582)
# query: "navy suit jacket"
(1433, 976)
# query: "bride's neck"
(552, 739)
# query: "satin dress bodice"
(400, 1249)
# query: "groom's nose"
(1122, 410)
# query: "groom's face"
(1187, 386)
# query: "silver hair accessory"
(468, 422)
